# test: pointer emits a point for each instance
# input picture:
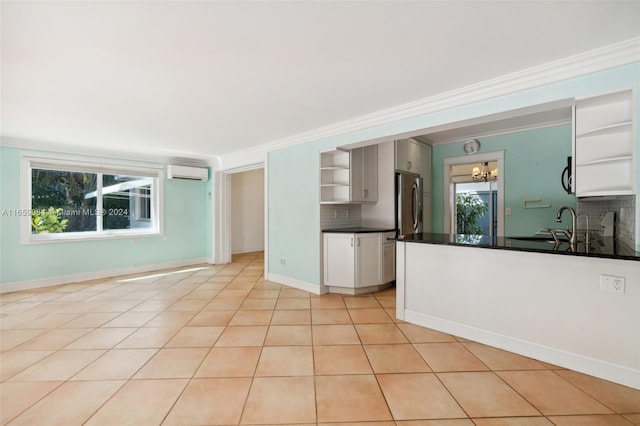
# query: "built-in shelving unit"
(334, 176)
(604, 145)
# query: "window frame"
(30, 161)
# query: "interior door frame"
(222, 227)
(449, 187)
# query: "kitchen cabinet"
(388, 261)
(408, 158)
(339, 260)
(349, 176)
(604, 145)
(364, 174)
(414, 157)
(356, 263)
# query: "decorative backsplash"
(334, 216)
(624, 210)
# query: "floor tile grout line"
(554, 372)
(272, 311)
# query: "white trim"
(448, 187)
(574, 361)
(110, 273)
(221, 241)
(34, 160)
(400, 279)
(266, 217)
(299, 284)
(611, 56)
(245, 159)
(192, 158)
(222, 234)
(506, 131)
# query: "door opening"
(475, 208)
(474, 192)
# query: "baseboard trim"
(87, 276)
(299, 284)
(577, 362)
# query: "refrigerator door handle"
(414, 206)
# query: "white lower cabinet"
(357, 263)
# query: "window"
(70, 200)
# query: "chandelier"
(483, 173)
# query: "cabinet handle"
(409, 165)
(351, 241)
(358, 242)
(366, 193)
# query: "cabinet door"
(408, 156)
(368, 262)
(364, 174)
(388, 262)
(370, 178)
(357, 175)
(339, 260)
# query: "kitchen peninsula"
(526, 297)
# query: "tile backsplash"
(334, 216)
(625, 214)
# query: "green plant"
(48, 221)
(469, 207)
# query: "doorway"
(247, 222)
(475, 208)
(252, 192)
(474, 188)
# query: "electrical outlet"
(612, 283)
(283, 261)
(508, 211)
(618, 285)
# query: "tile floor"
(218, 345)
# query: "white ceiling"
(213, 77)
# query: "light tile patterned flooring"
(219, 345)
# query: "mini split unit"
(187, 173)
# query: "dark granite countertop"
(357, 230)
(606, 247)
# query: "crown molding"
(611, 56)
(161, 156)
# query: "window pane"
(126, 202)
(69, 191)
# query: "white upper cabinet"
(349, 176)
(364, 174)
(408, 157)
(414, 157)
(604, 145)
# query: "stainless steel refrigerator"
(408, 204)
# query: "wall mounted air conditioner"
(187, 173)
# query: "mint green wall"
(186, 225)
(294, 230)
(533, 162)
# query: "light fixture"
(484, 174)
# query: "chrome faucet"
(573, 235)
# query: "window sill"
(88, 236)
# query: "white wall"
(247, 211)
(381, 214)
(546, 306)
